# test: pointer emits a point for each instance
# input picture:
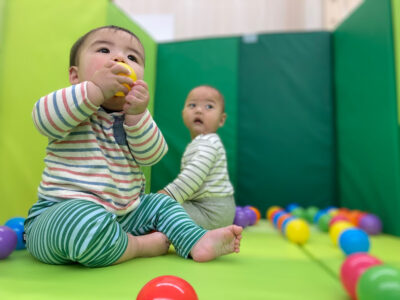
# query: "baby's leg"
(152, 244)
(162, 213)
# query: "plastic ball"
(271, 210)
(132, 75)
(251, 215)
(291, 207)
(240, 217)
(17, 224)
(323, 222)
(311, 211)
(282, 219)
(276, 217)
(338, 217)
(371, 224)
(318, 215)
(258, 214)
(299, 212)
(167, 287)
(298, 231)
(379, 282)
(354, 240)
(353, 267)
(285, 223)
(336, 229)
(8, 241)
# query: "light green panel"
(396, 39)
(116, 17)
(36, 41)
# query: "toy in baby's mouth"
(132, 75)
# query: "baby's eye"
(103, 50)
(191, 105)
(209, 106)
(132, 58)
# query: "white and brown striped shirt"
(204, 172)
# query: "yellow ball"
(298, 231)
(132, 75)
(271, 210)
(337, 228)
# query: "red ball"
(167, 287)
(352, 269)
(338, 217)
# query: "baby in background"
(203, 187)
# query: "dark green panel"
(368, 148)
(286, 132)
(180, 67)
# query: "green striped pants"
(85, 232)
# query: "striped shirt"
(204, 171)
(92, 154)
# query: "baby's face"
(105, 45)
(203, 112)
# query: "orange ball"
(271, 210)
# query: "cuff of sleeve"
(141, 125)
(174, 194)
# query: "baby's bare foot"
(217, 242)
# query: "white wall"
(169, 20)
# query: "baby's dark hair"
(73, 55)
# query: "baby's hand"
(108, 80)
(137, 99)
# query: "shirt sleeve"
(57, 113)
(145, 140)
(198, 161)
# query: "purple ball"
(251, 215)
(241, 217)
(8, 241)
(371, 224)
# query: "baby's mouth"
(198, 121)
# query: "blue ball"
(276, 217)
(318, 215)
(291, 206)
(354, 240)
(17, 224)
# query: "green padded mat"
(268, 267)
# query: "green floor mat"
(268, 267)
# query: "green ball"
(311, 212)
(379, 282)
(323, 222)
(299, 212)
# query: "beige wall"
(187, 19)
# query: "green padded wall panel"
(367, 130)
(180, 67)
(286, 132)
(38, 36)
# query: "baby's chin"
(114, 104)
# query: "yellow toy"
(132, 75)
(298, 231)
(337, 228)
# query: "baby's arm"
(56, 114)
(145, 140)
(200, 160)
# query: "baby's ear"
(73, 75)
(222, 120)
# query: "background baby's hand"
(137, 99)
(110, 81)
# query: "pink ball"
(338, 218)
(352, 269)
